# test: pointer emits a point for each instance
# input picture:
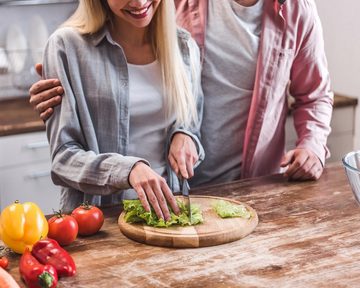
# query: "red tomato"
(4, 262)
(63, 228)
(89, 218)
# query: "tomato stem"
(58, 214)
(85, 205)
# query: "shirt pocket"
(278, 74)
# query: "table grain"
(308, 236)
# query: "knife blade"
(185, 189)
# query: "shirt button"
(124, 84)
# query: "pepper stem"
(46, 280)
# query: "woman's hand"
(183, 155)
(152, 188)
(303, 165)
(45, 94)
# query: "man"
(254, 53)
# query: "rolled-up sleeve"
(310, 86)
(69, 129)
(194, 130)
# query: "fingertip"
(48, 113)
(38, 68)
(177, 211)
(184, 173)
(285, 160)
(159, 213)
(175, 207)
(60, 90)
(190, 171)
(57, 99)
(45, 116)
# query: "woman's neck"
(135, 42)
(123, 32)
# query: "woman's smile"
(139, 13)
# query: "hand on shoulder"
(45, 95)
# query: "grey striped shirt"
(89, 131)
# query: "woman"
(132, 100)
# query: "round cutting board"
(213, 231)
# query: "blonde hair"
(91, 16)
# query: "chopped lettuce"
(135, 213)
(227, 209)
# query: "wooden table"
(308, 236)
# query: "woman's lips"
(140, 13)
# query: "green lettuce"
(135, 213)
(227, 209)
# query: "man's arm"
(45, 94)
(310, 86)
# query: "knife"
(185, 192)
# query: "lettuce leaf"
(227, 209)
(135, 213)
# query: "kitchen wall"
(341, 24)
(22, 16)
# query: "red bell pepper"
(36, 275)
(48, 251)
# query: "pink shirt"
(291, 49)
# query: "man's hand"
(183, 155)
(303, 165)
(152, 188)
(45, 94)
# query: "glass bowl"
(351, 162)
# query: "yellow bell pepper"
(22, 225)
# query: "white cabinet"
(25, 171)
(341, 139)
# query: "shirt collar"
(104, 32)
(99, 36)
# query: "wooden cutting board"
(213, 231)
